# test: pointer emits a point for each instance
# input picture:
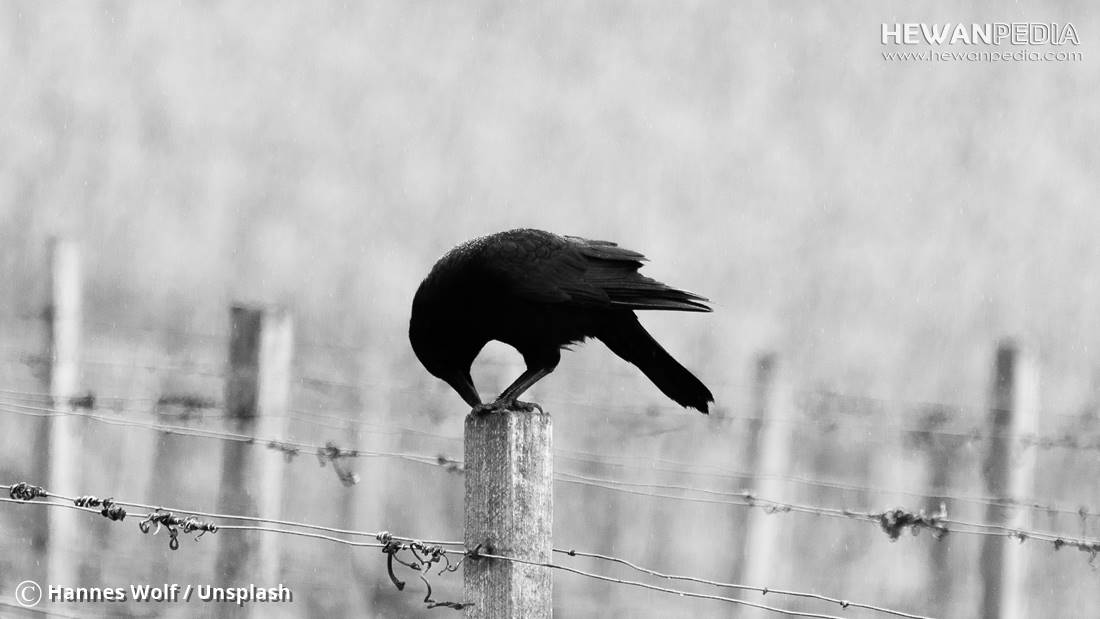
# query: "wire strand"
(728, 585)
(740, 499)
(579, 456)
(296, 446)
(634, 583)
(915, 521)
(58, 500)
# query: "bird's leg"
(507, 398)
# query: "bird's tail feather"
(629, 339)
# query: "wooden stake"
(771, 457)
(256, 397)
(509, 511)
(941, 450)
(1009, 475)
(59, 438)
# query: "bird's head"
(445, 350)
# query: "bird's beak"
(464, 385)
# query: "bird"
(540, 292)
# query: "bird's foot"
(527, 407)
(485, 409)
(503, 406)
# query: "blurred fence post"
(1009, 475)
(509, 512)
(941, 450)
(378, 486)
(770, 443)
(257, 391)
(58, 441)
(355, 602)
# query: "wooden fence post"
(770, 458)
(58, 441)
(509, 511)
(1009, 475)
(256, 399)
(378, 486)
(941, 450)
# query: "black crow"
(540, 292)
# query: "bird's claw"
(485, 409)
(503, 406)
(527, 407)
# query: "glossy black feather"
(540, 292)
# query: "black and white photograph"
(485, 309)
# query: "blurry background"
(878, 225)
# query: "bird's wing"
(548, 268)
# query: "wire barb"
(449, 465)
(894, 521)
(23, 491)
(173, 524)
(331, 452)
(424, 556)
(289, 451)
(110, 510)
(86, 401)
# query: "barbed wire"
(328, 452)
(679, 592)
(425, 553)
(215, 337)
(214, 371)
(739, 498)
(305, 416)
(580, 456)
(624, 372)
(1070, 439)
(220, 516)
(1081, 511)
(289, 447)
(743, 498)
(332, 453)
(729, 585)
(855, 404)
(892, 521)
(42, 397)
(337, 421)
